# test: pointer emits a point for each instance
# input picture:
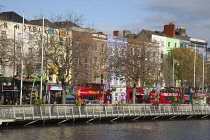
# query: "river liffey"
(136, 130)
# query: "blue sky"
(133, 15)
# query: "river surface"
(138, 130)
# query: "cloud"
(183, 8)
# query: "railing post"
(57, 111)
(50, 110)
(129, 111)
(164, 110)
(118, 112)
(65, 112)
(14, 115)
(72, 110)
(79, 111)
(23, 113)
(123, 111)
(150, 110)
(134, 109)
(86, 111)
(106, 108)
(40, 108)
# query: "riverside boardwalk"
(29, 114)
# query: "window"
(76, 62)
(31, 38)
(169, 53)
(76, 49)
(86, 63)
(19, 49)
(103, 61)
(103, 48)
(60, 59)
(96, 62)
(153, 56)
(4, 34)
(162, 43)
(123, 51)
(95, 79)
(30, 51)
(61, 41)
(169, 44)
(96, 47)
(19, 36)
(111, 51)
(139, 52)
(102, 78)
(117, 51)
(161, 56)
(51, 39)
(132, 51)
(175, 45)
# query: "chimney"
(181, 31)
(169, 29)
(100, 33)
(126, 32)
(116, 33)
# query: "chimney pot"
(116, 33)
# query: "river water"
(137, 130)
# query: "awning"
(30, 79)
(149, 86)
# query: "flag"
(159, 85)
(54, 68)
(107, 85)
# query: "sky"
(134, 15)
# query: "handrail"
(43, 112)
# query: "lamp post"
(1, 85)
(21, 83)
(194, 66)
(203, 74)
(173, 73)
(15, 27)
(42, 58)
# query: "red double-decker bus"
(139, 94)
(89, 93)
(166, 96)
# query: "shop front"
(199, 100)
(54, 94)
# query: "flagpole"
(203, 74)
(42, 57)
(173, 73)
(194, 65)
(21, 81)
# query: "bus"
(140, 95)
(166, 96)
(89, 94)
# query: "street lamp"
(15, 27)
(194, 65)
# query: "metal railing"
(44, 112)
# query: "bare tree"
(68, 51)
(139, 65)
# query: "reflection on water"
(142, 130)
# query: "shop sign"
(170, 94)
(55, 88)
(200, 95)
(7, 88)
